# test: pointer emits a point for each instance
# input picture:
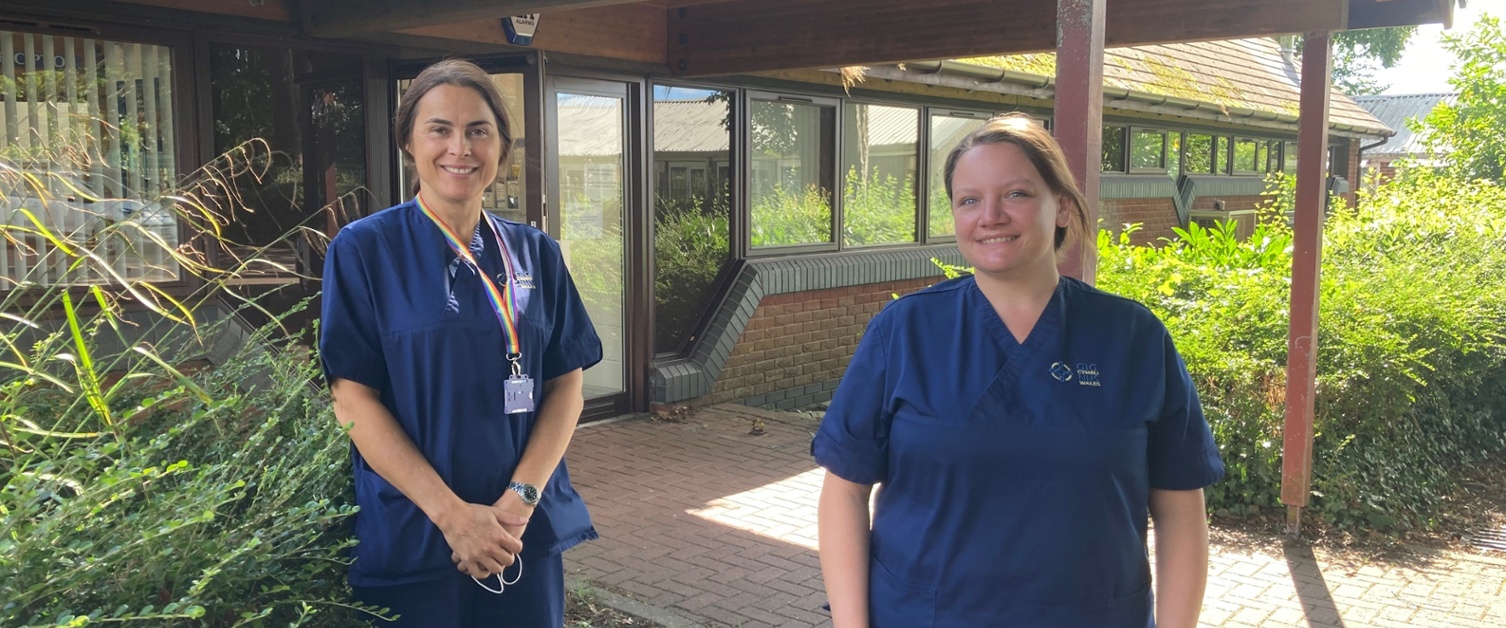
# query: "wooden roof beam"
(356, 18)
(1386, 13)
(761, 35)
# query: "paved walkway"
(718, 527)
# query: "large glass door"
(590, 212)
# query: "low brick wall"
(1156, 216)
(795, 348)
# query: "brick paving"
(718, 527)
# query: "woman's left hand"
(511, 503)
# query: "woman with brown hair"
(1023, 426)
(453, 342)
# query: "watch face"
(530, 494)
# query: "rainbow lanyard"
(501, 299)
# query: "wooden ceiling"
(713, 37)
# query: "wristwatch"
(528, 492)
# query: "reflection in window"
(879, 163)
(692, 159)
(946, 133)
(592, 153)
(1289, 157)
(88, 150)
(1245, 155)
(791, 173)
(1148, 150)
(1174, 154)
(1199, 154)
(1113, 149)
(1221, 156)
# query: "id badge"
(517, 394)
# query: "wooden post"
(1307, 249)
(1078, 121)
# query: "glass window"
(878, 180)
(691, 232)
(1273, 156)
(1147, 150)
(1221, 156)
(1245, 156)
(88, 150)
(1174, 154)
(1289, 157)
(1113, 149)
(1199, 154)
(1262, 157)
(946, 133)
(792, 180)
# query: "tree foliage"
(1469, 136)
(1357, 53)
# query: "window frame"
(833, 163)
(182, 51)
(1237, 169)
(839, 203)
(1129, 147)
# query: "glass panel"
(1261, 157)
(592, 194)
(791, 174)
(1289, 157)
(338, 150)
(1113, 149)
(692, 145)
(1148, 150)
(879, 161)
(87, 149)
(946, 133)
(1244, 155)
(1273, 156)
(509, 193)
(1221, 156)
(1174, 154)
(1199, 154)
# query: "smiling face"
(1005, 213)
(455, 145)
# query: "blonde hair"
(1044, 153)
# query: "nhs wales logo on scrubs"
(1087, 375)
(1084, 374)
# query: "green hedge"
(1411, 354)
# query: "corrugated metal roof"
(1395, 111)
(1245, 73)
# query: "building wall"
(1157, 217)
(797, 345)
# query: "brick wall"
(797, 345)
(1156, 216)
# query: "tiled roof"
(1394, 111)
(1251, 74)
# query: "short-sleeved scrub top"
(1015, 477)
(401, 314)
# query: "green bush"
(877, 209)
(783, 217)
(691, 245)
(1413, 312)
(136, 484)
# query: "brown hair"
(460, 73)
(1044, 153)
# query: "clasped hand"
(483, 540)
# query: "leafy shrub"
(136, 484)
(690, 247)
(1411, 336)
(783, 217)
(877, 209)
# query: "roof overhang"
(718, 37)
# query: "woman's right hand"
(479, 544)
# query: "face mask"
(503, 584)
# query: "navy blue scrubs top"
(404, 316)
(1015, 477)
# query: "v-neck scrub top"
(1015, 478)
(403, 316)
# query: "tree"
(1357, 53)
(1469, 136)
